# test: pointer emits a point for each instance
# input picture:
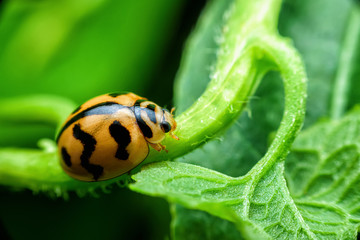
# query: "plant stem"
(292, 70)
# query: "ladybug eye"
(165, 126)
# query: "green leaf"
(323, 181)
(235, 199)
(324, 178)
(192, 224)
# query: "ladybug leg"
(174, 136)
(155, 146)
(172, 111)
(163, 147)
(158, 147)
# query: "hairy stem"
(290, 65)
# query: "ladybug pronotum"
(110, 134)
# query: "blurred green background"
(79, 49)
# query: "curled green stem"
(290, 65)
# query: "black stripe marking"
(146, 130)
(139, 101)
(122, 137)
(151, 107)
(66, 157)
(89, 144)
(150, 113)
(98, 109)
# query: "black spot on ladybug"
(151, 107)
(122, 137)
(104, 108)
(66, 157)
(89, 144)
(145, 129)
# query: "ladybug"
(109, 135)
